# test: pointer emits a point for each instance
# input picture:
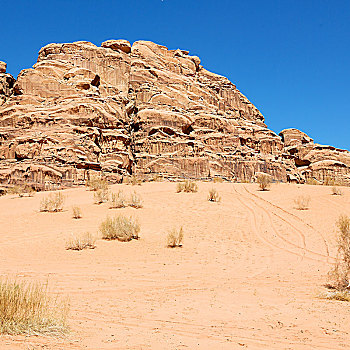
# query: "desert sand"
(248, 275)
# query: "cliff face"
(141, 109)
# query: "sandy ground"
(248, 275)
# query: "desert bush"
(336, 191)
(96, 183)
(218, 180)
(264, 181)
(213, 195)
(302, 202)
(179, 187)
(22, 190)
(80, 242)
(175, 238)
(135, 201)
(118, 200)
(76, 212)
(135, 181)
(187, 186)
(27, 308)
(52, 203)
(120, 228)
(340, 273)
(311, 181)
(101, 195)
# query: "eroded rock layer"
(141, 109)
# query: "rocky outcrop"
(141, 109)
(315, 161)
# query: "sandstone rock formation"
(142, 109)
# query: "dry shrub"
(218, 180)
(27, 308)
(336, 191)
(135, 201)
(175, 238)
(213, 195)
(118, 200)
(80, 242)
(121, 228)
(302, 202)
(101, 195)
(22, 191)
(264, 181)
(311, 181)
(96, 183)
(52, 203)
(76, 212)
(187, 186)
(179, 187)
(135, 181)
(340, 272)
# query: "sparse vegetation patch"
(264, 181)
(52, 203)
(118, 200)
(336, 191)
(213, 195)
(186, 186)
(340, 273)
(302, 202)
(80, 242)
(121, 228)
(27, 308)
(175, 238)
(77, 212)
(101, 195)
(135, 201)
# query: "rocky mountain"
(146, 110)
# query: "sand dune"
(247, 276)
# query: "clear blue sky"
(291, 58)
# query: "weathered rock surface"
(316, 161)
(141, 109)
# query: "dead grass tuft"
(101, 195)
(80, 242)
(52, 203)
(121, 228)
(77, 212)
(96, 183)
(302, 202)
(341, 271)
(213, 195)
(175, 238)
(336, 191)
(186, 186)
(135, 201)
(27, 308)
(118, 200)
(22, 190)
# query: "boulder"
(3, 67)
(116, 45)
